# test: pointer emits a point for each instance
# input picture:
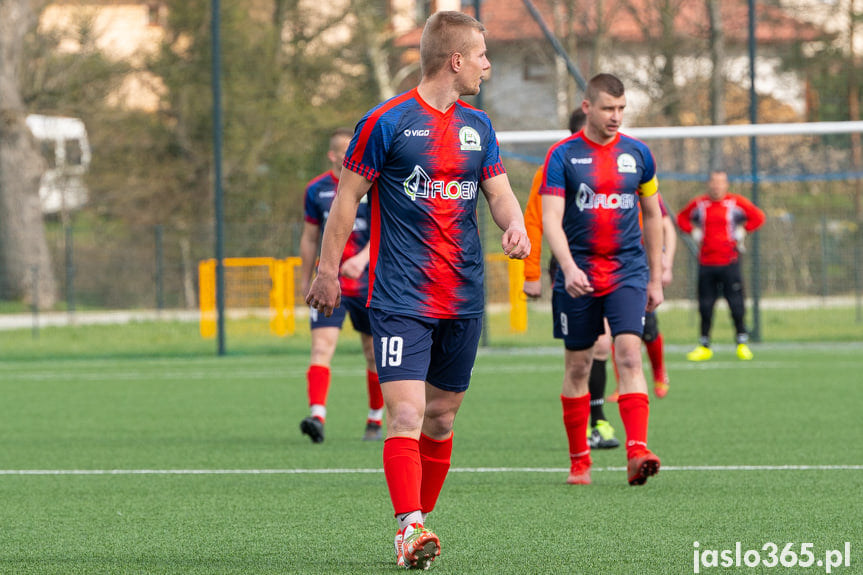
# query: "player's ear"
(455, 61)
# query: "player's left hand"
(515, 243)
(655, 296)
(667, 272)
(353, 267)
(533, 289)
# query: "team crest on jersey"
(626, 164)
(469, 138)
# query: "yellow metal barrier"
(207, 297)
(246, 278)
(250, 283)
(505, 280)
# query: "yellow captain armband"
(648, 188)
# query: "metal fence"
(809, 251)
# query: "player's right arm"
(669, 246)
(576, 281)
(324, 294)
(308, 253)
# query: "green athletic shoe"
(601, 436)
(700, 353)
(743, 352)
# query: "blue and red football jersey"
(601, 186)
(318, 198)
(426, 168)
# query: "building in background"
(66, 149)
(525, 90)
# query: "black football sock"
(596, 386)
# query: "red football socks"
(634, 411)
(376, 396)
(318, 378)
(657, 362)
(576, 413)
(403, 472)
(435, 457)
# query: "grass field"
(119, 462)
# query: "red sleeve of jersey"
(754, 215)
(683, 218)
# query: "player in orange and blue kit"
(594, 183)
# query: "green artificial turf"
(194, 464)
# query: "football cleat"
(419, 547)
(314, 428)
(613, 397)
(373, 431)
(602, 436)
(639, 468)
(660, 389)
(579, 471)
(743, 352)
(700, 353)
(400, 554)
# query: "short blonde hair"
(338, 135)
(445, 33)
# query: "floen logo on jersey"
(626, 164)
(420, 185)
(587, 199)
(469, 138)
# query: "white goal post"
(681, 132)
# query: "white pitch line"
(454, 470)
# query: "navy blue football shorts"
(439, 351)
(578, 321)
(353, 306)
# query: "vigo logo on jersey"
(587, 199)
(421, 185)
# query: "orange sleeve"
(533, 223)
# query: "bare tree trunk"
(561, 74)
(717, 81)
(23, 249)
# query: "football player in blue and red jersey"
(423, 157)
(354, 280)
(593, 185)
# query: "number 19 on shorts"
(391, 351)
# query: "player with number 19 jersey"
(601, 185)
(426, 168)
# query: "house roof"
(636, 21)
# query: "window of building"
(535, 67)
